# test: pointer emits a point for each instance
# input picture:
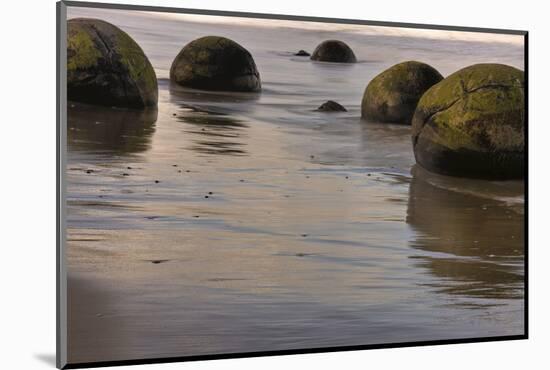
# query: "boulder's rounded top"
(407, 77)
(468, 95)
(473, 123)
(215, 63)
(335, 51)
(470, 79)
(393, 94)
(106, 66)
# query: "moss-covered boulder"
(106, 66)
(215, 63)
(472, 124)
(392, 95)
(333, 51)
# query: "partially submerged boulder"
(215, 63)
(106, 66)
(333, 51)
(302, 53)
(472, 124)
(392, 95)
(331, 106)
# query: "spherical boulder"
(106, 66)
(333, 51)
(392, 95)
(472, 124)
(215, 63)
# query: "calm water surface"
(249, 222)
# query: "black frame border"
(61, 337)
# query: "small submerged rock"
(156, 262)
(472, 124)
(105, 66)
(392, 95)
(333, 51)
(302, 53)
(331, 106)
(215, 63)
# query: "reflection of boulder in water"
(110, 130)
(483, 238)
(214, 132)
(230, 100)
(211, 118)
(473, 278)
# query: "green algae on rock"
(215, 63)
(105, 66)
(392, 95)
(471, 124)
(333, 51)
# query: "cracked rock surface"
(215, 63)
(106, 66)
(471, 124)
(392, 95)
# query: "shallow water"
(249, 222)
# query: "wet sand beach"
(242, 222)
